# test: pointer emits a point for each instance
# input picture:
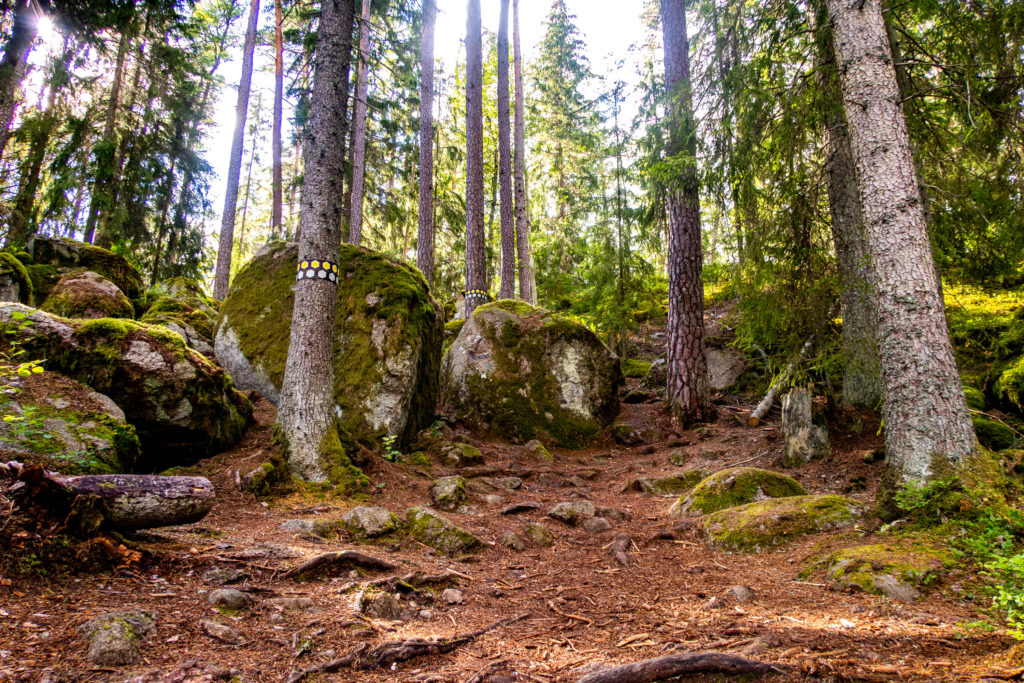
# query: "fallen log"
(682, 664)
(766, 403)
(342, 557)
(124, 502)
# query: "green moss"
(74, 298)
(72, 254)
(181, 301)
(768, 523)
(975, 398)
(736, 486)
(679, 483)
(431, 529)
(1010, 385)
(993, 435)
(338, 467)
(870, 568)
(10, 265)
(635, 368)
(385, 314)
(415, 459)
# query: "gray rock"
(448, 493)
(678, 457)
(517, 508)
(612, 514)
(741, 594)
(451, 596)
(228, 598)
(299, 526)
(87, 295)
(511, 483)
(382, 605)
(725, 366)
(596, 525)
(114, 638)
(224, 634)
(425, 615)
(536, 450)
(369, 522)
(572, 512)
(511, 540)
(461, 455)
(891, 587)
(656, 375)
(220, 576)
(492, 499)
(539, 535)
(430, 528)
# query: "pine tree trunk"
(425, 235)
(923, 404)
(13, 65)
(222, 274)
(476, 257)
(508, 234)
(527, 284)
(355, 224)
(686, 390)
(275, 210)
(862, 383)
(100, 188)
(306, 412)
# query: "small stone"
(741, 594)
(492, 499)
(510, 540)
(228, 598)
(451, 596)
(648, 449)
(461, 455)
(366, 521)
(448, 493)
(276, 618)
(678, 457)
(381, 604)
(114, 638)
(425, 615)
(714, 603)
(553, 479)
(539, 535)
(536, 450)
(428, 527)
(572, 513)
(612, 514)
(293, 604)
(517, 508)
(511, 483)
(596, 525)
(299, 526)
(221, 632)
(625, 435)
(220, 576)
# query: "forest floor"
(584, 610)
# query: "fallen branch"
(485, 673)
(620, 548)
(766, 403)
(683, 664)
(567, 615)
(341, 557)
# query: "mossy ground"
(737, 486)
(635, 368)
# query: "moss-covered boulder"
(448, 493)
(992, 434)
(895, 572)
(369, 521)
(674, 485)
(430, 528)
(15, 282)
(85, 294)
(387, 339)
(182, 406)
(67, 427)
(523, 373)
(769, 523)
(656, 375)
(735, 486)
(181, 305)
(59, 253)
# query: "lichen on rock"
(387, 339)
(523, 373)
(430, 528)
(755, 527)
(891, 570)
(735, 486)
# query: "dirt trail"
(586, 611)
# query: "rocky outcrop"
(15, 283)
(182, 406)
(86, 294)
(387, 339)
(523, 373)
(736, 486)
(180, 305)
(53, 257)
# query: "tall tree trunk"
(508, 234)
(222, 274)
(862, 383)
(476, 256)
(275, 209)
(12, 66)
(926, 417)
(355, 224)
(527, 284)
(425, 235)
(306, 413)
(105, 154)
(686, 392)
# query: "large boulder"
(182, 406)
(387, 338)
(15, 282)
(63, 425)
(736, 486)
(54, 257)
(180, 305)
(85, 294)
(523, 373)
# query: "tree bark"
(862, 383)
(100, 189)
(425, 234)
(12, 66)
(680, 664)
(355, 225)
(476, 258)
(275, 209)
(527, 284)
(222, 274)
(306, 412)
(926, 417)
(686, 389)
(508, 235)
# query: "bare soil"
(585, 610)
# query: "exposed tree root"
(342, 557)
(391, 652)
(682, 664)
